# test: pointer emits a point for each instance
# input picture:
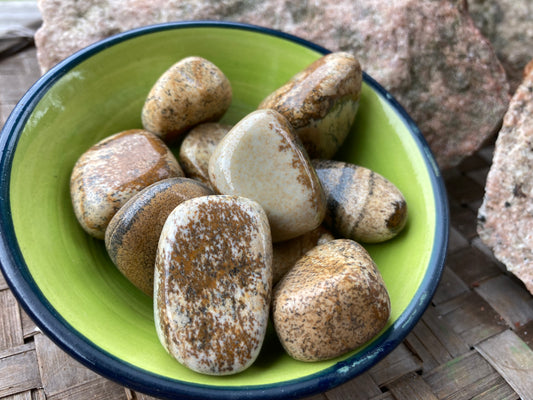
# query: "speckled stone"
(286, 253)
(505, 218)
(192, 91)
(362, 205)
(197, 147)
(332, 301)
(321, 102)
(260, 158)
(112, 171)
(213, 283)
(132, 236)
(507, 25)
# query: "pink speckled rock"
(505, 219)
(507, 24)
(428, 54)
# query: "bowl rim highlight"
(92, 356)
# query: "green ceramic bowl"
(64, 278)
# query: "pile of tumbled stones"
(254, 220)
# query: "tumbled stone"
(321, 102)
(192, 91)
(197, 147)
(362, 204)
(428, 54)
(260, 158)
(286, 253)
(112, 171)
(213, 283)
(505, 218)
(132, 236)
(332, 301)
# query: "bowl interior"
(104, 94)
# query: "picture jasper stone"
(197, 147)
(108, 174)
(190, 92)
(213, 282)
(321, 102)
(286, 253)
(362, 205)
(331, 302)
(260, 158)
(132, 236)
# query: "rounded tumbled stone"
(362, 204)
(260, 158)
(321, 102)
(192, 91)
(108, 174)
(197, 147)
(213, 283)
(132, 236)
(332, 301)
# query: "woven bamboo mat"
(474, 341)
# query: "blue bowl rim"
(89, 354)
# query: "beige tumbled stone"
(190, 92)
(332, 301)
(213, 283)
(260, 158)
(197, 147)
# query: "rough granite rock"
(508, 24)
(427, 53)
(505, 219)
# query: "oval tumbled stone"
(213, 283)
(197, 148)
(260, 158)
(362, 204)
(108, 174)
(332, 301)
(132, 236)
(321, 102)
(192, 91)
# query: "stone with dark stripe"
(362, 205)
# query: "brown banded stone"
(321, 102)
(109, 173)
(361, 204)
(132, 236)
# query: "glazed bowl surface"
(65, 280)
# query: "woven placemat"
(473, 342)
